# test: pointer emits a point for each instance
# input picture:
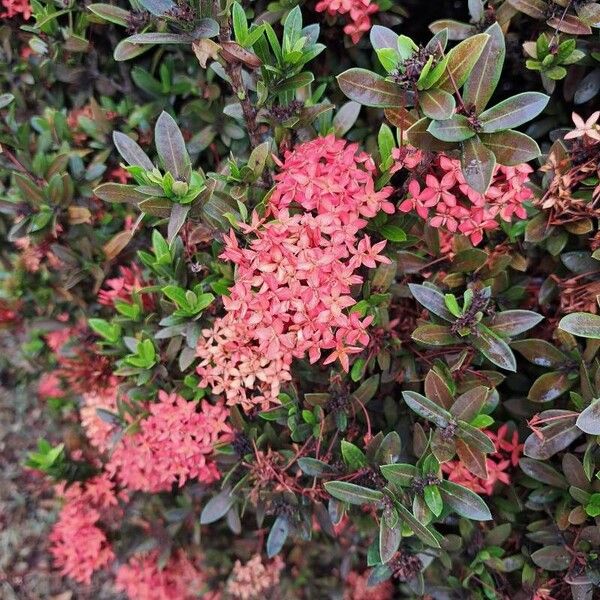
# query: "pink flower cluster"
(358, 12)
(130, 280)
(142, 578)
(445, 200)
(254, 579)
(173, 444)
(508, 452)
(294, 276)
(78, 545)
(98, 431)
(14, 8)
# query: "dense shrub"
(313, 290)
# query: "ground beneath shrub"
(27, 507)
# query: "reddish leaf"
(436, 104)
(478, 164)
(473, 460)
(533, 8)
(570, 24)
(550, 386)
(510, 147)
(461, 60)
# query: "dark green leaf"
(370, 89)
(427, 408)
(540, 352)
(478, 164)
(422, 532)
(514, 322)
(464, 502)
(432, 299)
(131, 152)
(352, 493)
(513, 111)
(399, 474)
(389, 540)
(277, 536)
(171, 149)
(456, 129)
(216, 507)
(510, 147)
(550, 386)
(484, 77)
(552, 558)
(494, 348)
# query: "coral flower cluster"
(291, 295)
(443, 198)
(142, 578)
(15, 8)
(79, 545)
(357, 13)
(173, 444)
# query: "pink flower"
(123, 287)
(294, 275)
(457, 206)
(254, 579)
(589, 128)
(78, 545)
(358, 11)
(15, 8)
(143, 579)
(174, 444)
(49, 386)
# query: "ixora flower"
(358, 12)
(79, 545)
(254, 579)
(445, 200)
(292, 287)
(172, 445)
(16, 8)
(589, 128)
(143, 578)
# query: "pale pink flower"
(589, 128)
(252, 580)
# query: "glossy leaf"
(432, 299)
(589, 420)
(455, 129)
(382, 37)
(514, 322)
(461, 60)
(533, 8)
(494, 348)
(131, 152)
(456, 30)
(468, 405)
(389, 540)
(484, 77)
(464, 502)
(540, 352)
(513, 111)
(427, 408)
(217, 507)
(399, 474)
(419, 137)
(370, 89)
(581, 324)
(478, 164)
(171, 149)
(114, 14)
(436, 104)
(352, 493)
(552, 558)
(553, 438)
(434, 335)
(550, 386)
(277, 536)
(472, 459)
(510, 147)
(420, 530)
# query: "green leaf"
(294, 83)
(158, 38)
(589, 420)
(494, 348)
(484, 77)
(510, 147)
(217, 507)
(389, 540)
(514, 322)
(433, 499)
(455, 129)
(468, 405)
(432, 299)
(353, 456)
(131, 152)
(427, 408)
(312, 466)
(392, 232)
(422, 532)
(461, 60)
(118, 192)
(552, 558)
(157, 7)
(177, 219)
(475, 438)
(113, 14)
(370, 89)
(171, 149)
(581, 324)
(550, 386)
(513, 111)
(419, 137)
(464, 502)
(478, 164)
(434, 335)
(240, 23)
(352, 493)
(277, 536)
(540, 352)
(399, 474)
(437, 104)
